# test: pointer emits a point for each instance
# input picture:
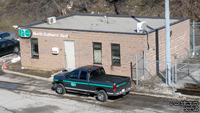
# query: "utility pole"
(193, 37)
(167, 38)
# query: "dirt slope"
(19, 12)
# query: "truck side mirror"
(64, 70)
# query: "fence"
(188, 67)
(194, 34)
(145, 76)
(185, 69)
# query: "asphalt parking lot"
(30, 95)
(24, 94)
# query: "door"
(76, 80)
(70, 81)
(82, 81)
(10, 46)
(3, 48)
(69, 55)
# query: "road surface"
(27, 95)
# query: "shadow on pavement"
(89, 95)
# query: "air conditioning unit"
(51, 20)
(141, 27)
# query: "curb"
(27, 75)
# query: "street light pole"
(167, 38)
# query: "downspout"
(147, 39)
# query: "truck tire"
(16, 50)
(60, 89)
(102, 96)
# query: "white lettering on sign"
(64, 36)
(50, 34)
(37, 34)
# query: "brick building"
(107, 40)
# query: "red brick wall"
(129, 45)
(179, 43)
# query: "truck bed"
(122, 83)
(110, 78)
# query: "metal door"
(69, 55)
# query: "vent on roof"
(51, 20)
(106, 19)
(141, 27)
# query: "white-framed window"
(115, 54)
(97, 53)
(34, 48)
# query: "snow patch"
(14, 60)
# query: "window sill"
(98, 63)
(34, 57)
(116, 65)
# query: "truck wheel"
(16, 50)
(60, 89)
(102, 96)
(127, 93)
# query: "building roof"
(105, 23)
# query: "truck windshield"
(97, 73)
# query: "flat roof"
(104, 23)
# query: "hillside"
(19, 12)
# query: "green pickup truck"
(92, 79)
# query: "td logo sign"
(25, 33)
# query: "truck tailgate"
(120, 81)
(123, 85)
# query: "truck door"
(76, 80)
(70, 80)
(82, 81)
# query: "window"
(97, 55)
(34, 48)
(3, 45)
(74, 74)
(115, 54)
(6, 34)
(1, 36)
(83, 75)
(9, 43)
(97, 73)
